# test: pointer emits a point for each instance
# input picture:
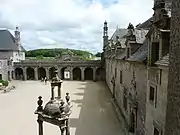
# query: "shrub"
(4, 82)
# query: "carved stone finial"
(40, 102)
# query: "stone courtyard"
(92, 112)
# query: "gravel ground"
(92, 114)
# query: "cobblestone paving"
(93, 113)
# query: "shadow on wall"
(97, 116)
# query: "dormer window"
(154, 55)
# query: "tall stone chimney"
(172, 126)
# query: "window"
(8, 62)
(156, 132)
(125, 99)
(128, 52)
(154, 56)
(120, 78)
(115, 72)
(160, 75)
(151, 94)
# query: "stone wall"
(156, 110)
(113, 69)
(4, 68)
(173, 109)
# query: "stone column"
(71, 73)
(82, 73)
(52, 92)
(94, 74)
(47, 73)
(36, 73)
(40, 122)
(24, 74)
(59, 72)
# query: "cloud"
(70, 23)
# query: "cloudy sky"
(75, 24)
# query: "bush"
(4, 82)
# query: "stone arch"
(19, 74)
(12, 74)
(62, 72)
(30, 73)
(0, 76)
(76, 73)
(41, 73)
(100, 74)
(9, 77)
(88, 74)
(52, 72)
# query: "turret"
(17, 38)
(105, 35)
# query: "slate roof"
(164, 61)
(120, 32)
(145, 25)
(141, 54)
(7, 41)
(140, 35)
(121, 55)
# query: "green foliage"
(43, 53)
(98, 54)
(4, 82)
(40, 57)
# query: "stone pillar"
(47, 73)
(71, 73)
(40, 122)
(52, 92)
(59, 72)
(94, 74)
(82, 74)
(36, 73)
(59, 90)
(24, 74)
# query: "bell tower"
(17, 38)
(105, 35)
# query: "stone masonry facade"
(85, 70)
(137, 63)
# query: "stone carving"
(56, 111)
(133, 92)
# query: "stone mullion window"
(125, 99)
(153, 95)
(120, 77)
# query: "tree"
(39, 57)
(98, 54)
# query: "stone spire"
(17, 38)
(105, 35)
(172, 126)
